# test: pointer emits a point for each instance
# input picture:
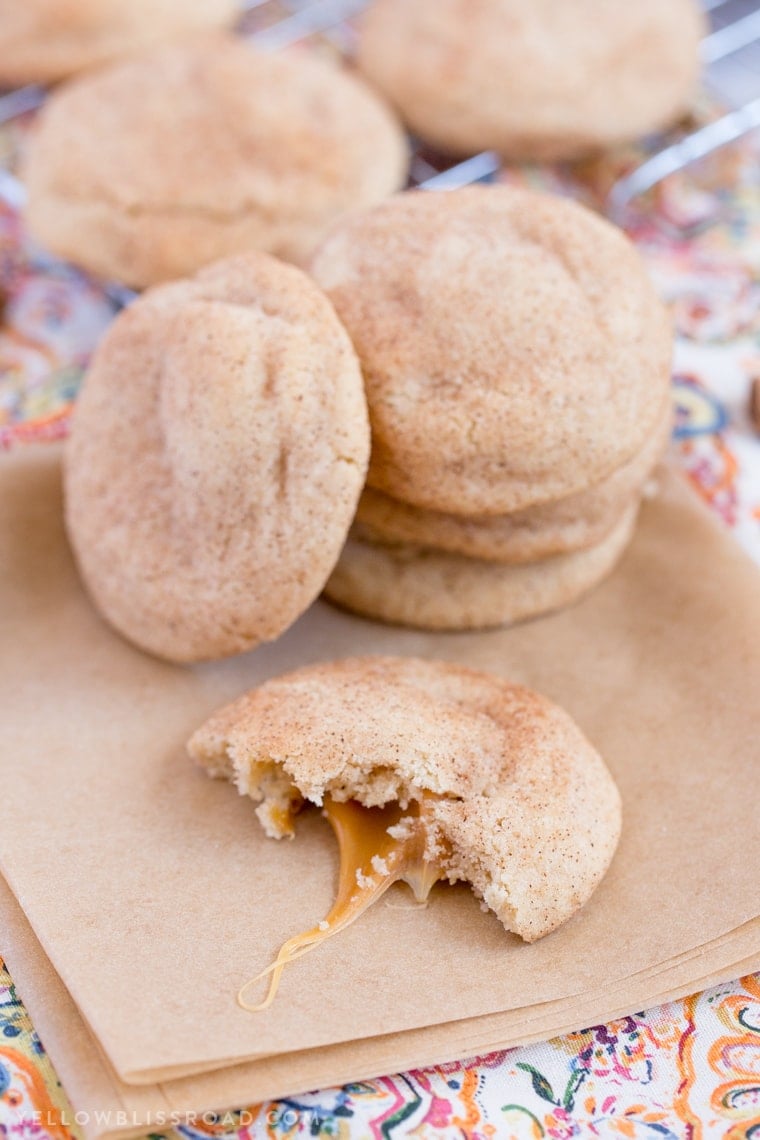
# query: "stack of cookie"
(516, 361)
(494, 367)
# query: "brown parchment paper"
(155, 895)
(112, 1108)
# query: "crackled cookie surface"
(514, 350)
(218, 450)
(149, 169)
(496, 784)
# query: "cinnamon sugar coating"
(524, 808)
(514, 350)
(218, 449)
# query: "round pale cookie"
(218, 450)
(534, 79)
(431, 589)
(514, 350)
(149, 169)
(42, 41)
(519, 803)
(573, 523)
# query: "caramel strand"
(371, 861)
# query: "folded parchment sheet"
(154, 893)
(107, 1107)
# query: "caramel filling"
(378, 847)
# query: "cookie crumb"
(403, 829)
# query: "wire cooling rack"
(730, 53)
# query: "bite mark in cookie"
(461, 775)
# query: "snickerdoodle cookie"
(505, 789)
(42, 41)
(513, 347)
(425, 588)
(537, 79)
(218, 450)
(149, 169)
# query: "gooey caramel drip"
(371, 861)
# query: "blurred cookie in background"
(149, 169)
(43, 41)
(533, 79)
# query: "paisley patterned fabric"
(689, 1070)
